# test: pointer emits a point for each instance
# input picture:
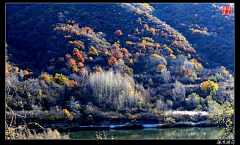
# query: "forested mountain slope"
(204, 26)
(89, 59)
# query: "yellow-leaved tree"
(92, 50)
(208, 86)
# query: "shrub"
(225, 119)
(194, 76)
(127, 70)
(192, 101)
(167, 50)
(169, 103)
(213, 107)
(199, 107)
(170, 121)
(60, 79)
(150, 82)
(213, 78)
(155, 111)
(67, 114)
(45, 76)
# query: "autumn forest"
(117, 63)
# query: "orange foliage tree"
(68, 56)
(80, 64)
(71, 63)
(124, 50)
(118, 33)
(116, 45)
(197, 65)
(160, 67)
(78, 57)
(97, 69)
(131, 62)
(45, 76)
(104, 50)
(72, 83)
(184, 71)
(118, 54)
(77, 43)
(88, 29)
(112, 61)
(25, 72)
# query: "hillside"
(92, 63)
(210, 32)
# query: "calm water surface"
(162, 133)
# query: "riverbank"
(166, 120)
(67, 127)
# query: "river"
(151, 133)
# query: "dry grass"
(12, 133)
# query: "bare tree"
(80, 79)
(112, 88)
(11, 88)
(157, 59)
(120, 66)
(161, 106)
(176, 63)
(73, 105)
(178, 91)
(165, 75)
(189, 65)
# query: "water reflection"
(153, 133)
